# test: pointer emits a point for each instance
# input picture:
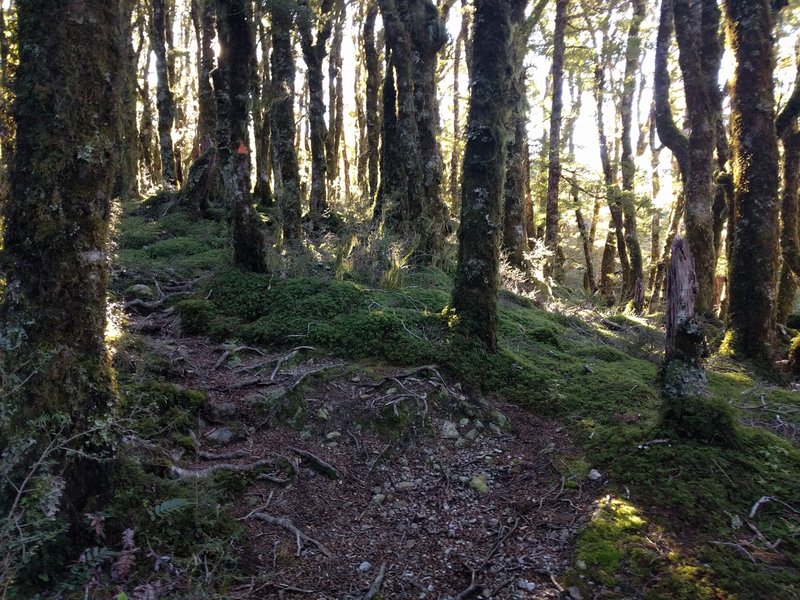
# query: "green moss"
(175, 247)
(161, 407)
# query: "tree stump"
(687, 410)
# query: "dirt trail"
(375, 479)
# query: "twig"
(289, 526)
(741, 549)
(305, 376)
(470, 590)
(318, 464)
(375, 588)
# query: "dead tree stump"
(687, 410)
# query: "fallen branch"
(375, 588)
(765, 499)
(208, 471)
(305, 376)
(223, 455)
(289, 526)
(317, 463)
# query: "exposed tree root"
(289, 526)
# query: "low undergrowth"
(676, 518)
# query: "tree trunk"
(455, 199)
(127, 185)
(552, 236)
(164, 101)
(263, 128)
(753, 269)
(697, 32)
(234, 21)
(483, 178)
(69, 89)
(314, 53)
(204, 21)
(372, 65)
(335, 116)
(286, 169)
(633, 53)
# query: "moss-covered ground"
(676, 519)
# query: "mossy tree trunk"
(68, 110)
(697, 27)
(285, 167)
(314, 52)
(633, 51)
(127, 185)
(6, 76)
(148, 154)
(787, 131)
(371, 100)
(203, 16)
(164, 100)
(753, 268)
(483, 175)
(262, 116)
(552, 236)
(234, 22)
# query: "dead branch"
(305, 376)
(292, 353)
(223, 455)
(146, 307)
(375, 588)
(208, 471)
(289, 526)
(470, 590)
(317, 463)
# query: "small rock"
(364, 567)
(221, 410)
(140, 291)
(410, 544)
(495, 429)
(378, 499)
(575, 593)
(478, 424)
(526, 585)
(472, 435)
(449, 430)
(464, 422)
(550, 448)
(406, 485)
(333, 436)
(594, 475)
(476, 483)
(222, 436)
(581, 564)
(499, 419)
(255, 400)
(461, 443)
(377, 489)
(403, 461)
(323, 414)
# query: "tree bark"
(314, 52)
(483, 176)
(69, 87)
(552, 236)
(372, 65)
(164, 100)
(700, 53)
(633, 53)
(234, 22)
(753, 269)
(286, 169)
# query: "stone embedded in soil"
(479, 484)
(464, 422)
(449, 430)
(221, 410)
(364, 567)
(575, 593)
(405, 485)
(140, 291)
(594, 475)
(333, 436)
(526, 585)
(222, 436)
(462, 443)
(378, 498)
(254, 400)
(472, 435)
(478, 424)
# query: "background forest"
(399, 298)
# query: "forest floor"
(312, 436)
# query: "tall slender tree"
(165, 102)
